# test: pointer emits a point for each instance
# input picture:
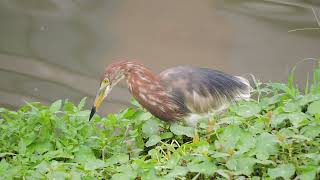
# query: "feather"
(203, 90)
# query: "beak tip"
(93, 111)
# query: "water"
(53, 49)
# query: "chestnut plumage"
(176, 93)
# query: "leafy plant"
(276, 136)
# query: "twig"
(315, 16)
(196, 176)
(302, 29)
(303, 5)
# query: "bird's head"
(112, 75)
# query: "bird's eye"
(105, 81)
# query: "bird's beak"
(101, 95)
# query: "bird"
(181, 93)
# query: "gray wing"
(203, 90)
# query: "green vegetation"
(275, 136)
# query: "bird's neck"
(149, 92)
(140, 79)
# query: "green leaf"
(40, 147)
(268, 101)
(82, 103)
(153, 140)
(308, 98)
(141, 116)
(201, 147)
(245, 165)
(94, 164)
(248, 109)
(230, 137)
(22, 147)
(43, 167)
(315, 157)
(58, 154)
(150, 174)
(134, 102)
(282, 87)
(120, 176)
(314, 108)
(278, 119)
(118, 158)
(82, 115)
(2, 110)
(182, 130)
(245, 143)
(215, 154)
(208, 168)
(224, 173)
(178, 171)
(75, 174)
(69, 107)
(57, 175)
(308, 172)
(231, 120)
(127, 113)
(242, 165)
(266, 145)
(84, 154)
(286, 171)
(296, 118)
(311, 131)
(166, 135)
(128, 171)
(150, 128)
(56, 106)
(3, 167)
(291, 107)
(29, 138)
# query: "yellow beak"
(103, 91)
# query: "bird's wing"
(203, 90)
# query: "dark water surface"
(57, 49)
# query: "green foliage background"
(274, 136)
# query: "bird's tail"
(245, 93)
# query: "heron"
(182, 93)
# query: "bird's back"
(203, 90)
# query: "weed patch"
(275, 136)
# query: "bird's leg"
(196, 137)
(210, 126)
(127, 141)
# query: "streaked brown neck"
(148, 91)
